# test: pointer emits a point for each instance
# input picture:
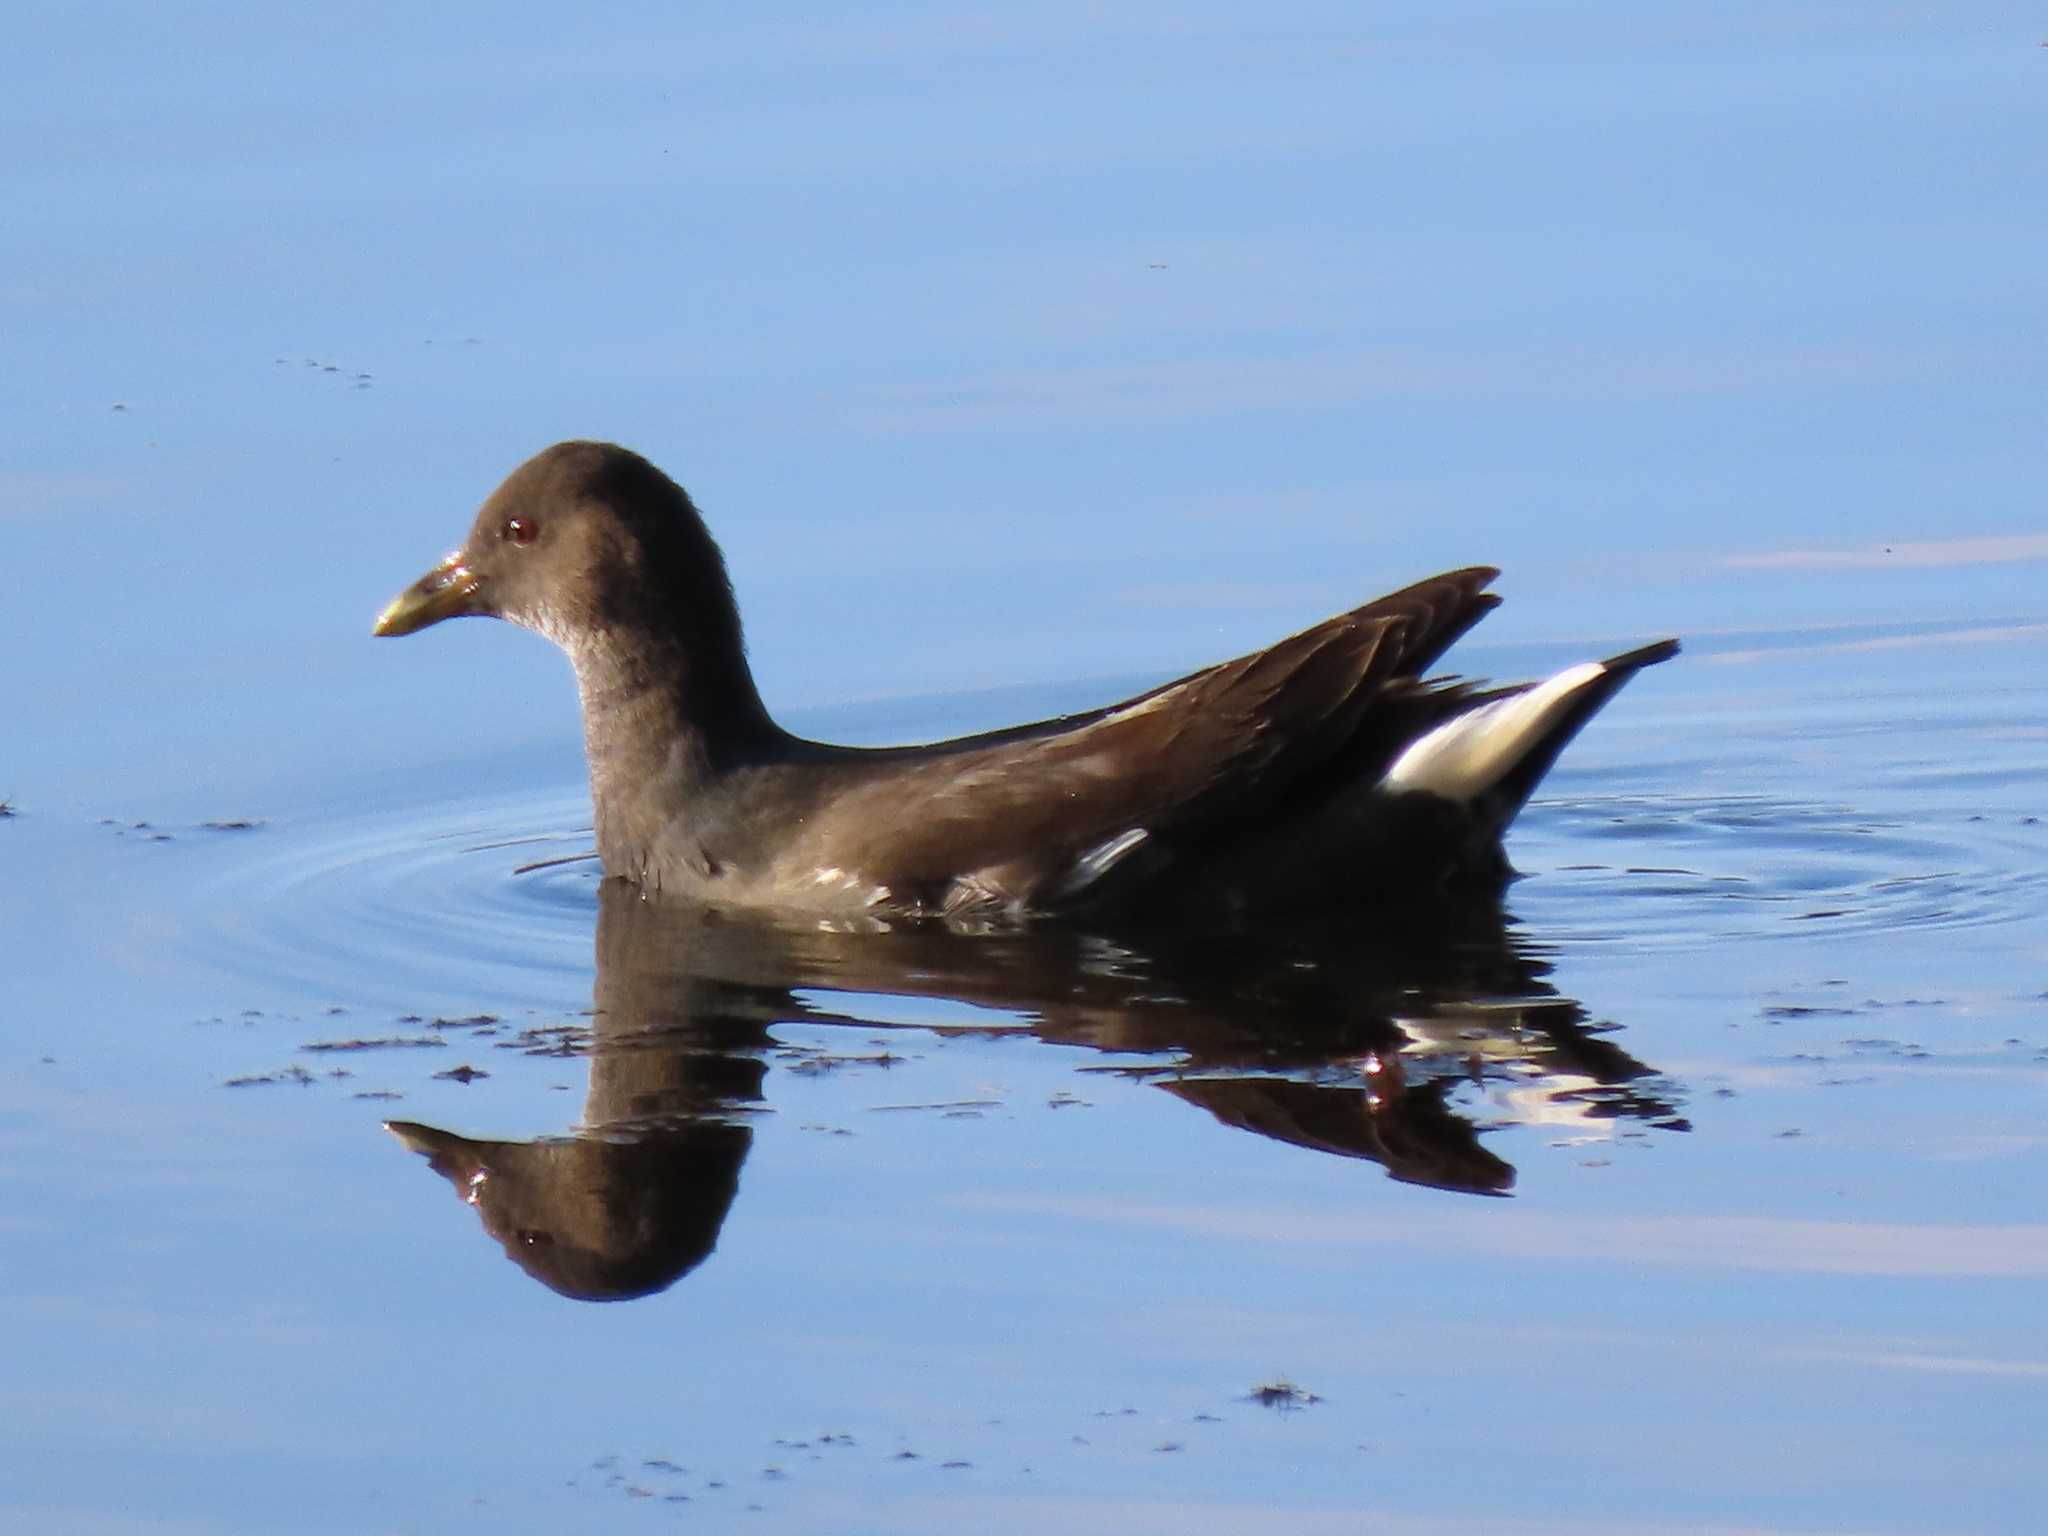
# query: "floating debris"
(955, 1107)
(292, 1074)
(380, 1043)
(474, 1021)
(1282, 1396)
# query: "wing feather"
(1009, 816)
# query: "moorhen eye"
(521, 530)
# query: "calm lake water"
(1702, 1181)
(1021, 357)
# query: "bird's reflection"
(1320, 1037)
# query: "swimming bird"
(1328, 769)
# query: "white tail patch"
(1464, 757)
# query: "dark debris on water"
(292, 1074)
(379, 1043)
(1282, 1396)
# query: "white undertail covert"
(1465, 757)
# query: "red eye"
(521, 530)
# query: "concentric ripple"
(1794, 817)
(1802, 818)
(1677, 871)
(482, 900)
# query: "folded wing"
(1036, 816)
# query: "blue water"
(1020, 361)
(1783, 1263)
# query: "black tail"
(1513, 789)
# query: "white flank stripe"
(1097, 861)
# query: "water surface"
(1720, 1142)
(1021, 359)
